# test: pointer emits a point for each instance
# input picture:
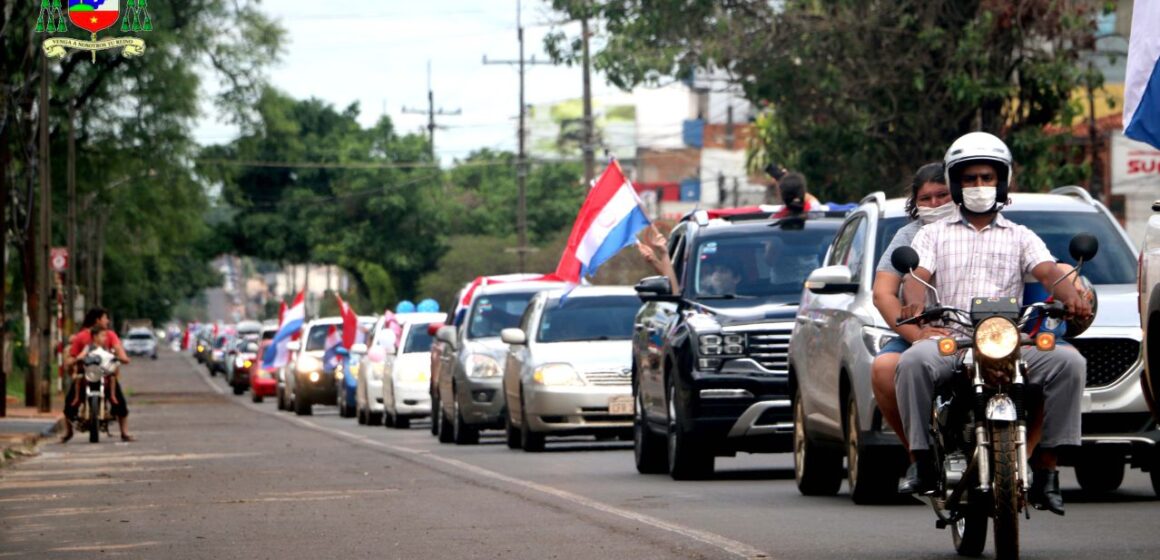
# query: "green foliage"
(859, 94)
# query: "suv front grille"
(1108, 359)
(770, 347)
(607, 378)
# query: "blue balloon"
(405, 306)
(428, 306)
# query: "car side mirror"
(293, 346)
(513, 336)
(904, 259)
(835, 279)
(655, 288)
(446, 334)
(1083, 247)
(358, 348)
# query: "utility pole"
(44, 243)
(522, 156)
(70, 283)
(589, 137)
(431, 112)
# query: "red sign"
(58, 259)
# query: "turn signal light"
(1045, 341)
(947, 346)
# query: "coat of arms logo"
(94, 16)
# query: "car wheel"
(687, 458)
(278, 395)
(255, 397)
(445, 435)
(511, 432)
(1099, 475)
(870, 474)
(302, 407)
(817, 471)
(1155, 475)
(239, 390)
(435, 414)
(462, 433)
(374, 418)
(532, 442)
(648, 449)
(402, 422)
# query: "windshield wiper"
(727, 296)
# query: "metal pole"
(589, 137)
(70, 287)
(521, 164)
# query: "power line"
(335, 165)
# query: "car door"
(519, 356)
(656, 321)
(829, 314)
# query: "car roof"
(1020, 202)
(514, 288)
(406, 318)
(592, 291)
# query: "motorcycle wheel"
(970, 533)
(1005, 461)
(94, 419)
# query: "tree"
(858, 94)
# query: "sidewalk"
(24, 427)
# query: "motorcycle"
(94, 414)
(979, 419)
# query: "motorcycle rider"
(983, 254)
(95, 317)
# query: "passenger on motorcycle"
(982, 254)
(96, 319)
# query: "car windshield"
(588, 318)
(773, 262)
(140, 336)
(417, 339)
(493, 313)
(1113, 264)
(249, 347)
(316, 339)
(268, 334)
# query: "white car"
(141, 342)
(406, 371)
(1149, 301)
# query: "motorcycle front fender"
(1000, 408)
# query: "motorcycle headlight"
(307, 364)
(556, 375)
(483, 366)
(875, 338)
(996, 338)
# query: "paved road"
(215, 476)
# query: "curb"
(28, 445)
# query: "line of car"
(778, 363)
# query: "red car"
(262, 382)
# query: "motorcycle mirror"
(1083, 247)
(904, 259)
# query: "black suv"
(710, 370)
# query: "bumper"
(575, 409)
(263, 386)
(374, 395)
(322, 391)
(140, 351)
(751, 413)
(412, 400)
(481, 401)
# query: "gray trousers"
(1061, 372)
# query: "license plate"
(620, 406)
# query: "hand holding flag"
(609, 221)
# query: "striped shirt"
(968, 263)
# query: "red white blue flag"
(609, 221)
(94, 15)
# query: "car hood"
(1117, 306)
(592, 355)
(735, 316)
(412, 360)
(493, 347)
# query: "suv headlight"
(996, 338)
(875, 338)
(483, 366)
(307, 364)
(722, 344)
(556, 375)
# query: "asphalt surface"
(216, 476)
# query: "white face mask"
(932, 215)
(979, 199)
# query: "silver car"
(141, 342)
(838, 416)
(471, 374)
(569, 366)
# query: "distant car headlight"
(307, 364)
(875, 338)
(996, 338)
(483, 366)
(556, 375)
(200, 348)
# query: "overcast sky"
(378, 57)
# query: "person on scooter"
(982, 254)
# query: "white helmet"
(971, 148)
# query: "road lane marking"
(734, 547)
